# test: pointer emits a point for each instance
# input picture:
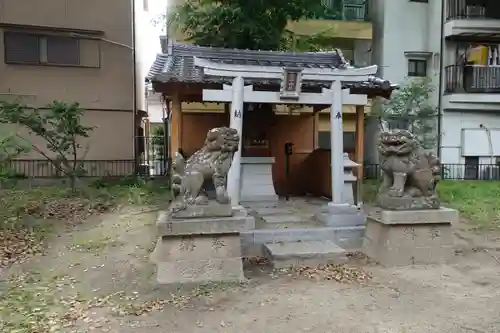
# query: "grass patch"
(369, 190)
(27, 216)
(476, 200)
(30, 305)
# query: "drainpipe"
(441, 84)
(134, 93)
(490, 143)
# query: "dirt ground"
(100, 278)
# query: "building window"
(62, 50)
(31, 49)
(417, 67)
(349, 140)
(21, 48)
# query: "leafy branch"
(59, 125)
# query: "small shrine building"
(297, 113)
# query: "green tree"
(241, 24)
(158, 142)
(61, 128)
(410, 109)
(10, 148)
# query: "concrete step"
(309, 253)
(253, 241)
(286, 218)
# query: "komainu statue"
(211, 162)
(410, 175)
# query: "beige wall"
(104, 88)
(107, 87)
(108, 141)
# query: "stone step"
(309, 253)
(285, 218)
(253, 241)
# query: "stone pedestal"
(342, 215)
(400, 238)
(257, 179)
(200, 249)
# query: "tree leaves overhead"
(242, 24)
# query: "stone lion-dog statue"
(211, 162)
(408, 171)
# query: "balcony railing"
(347, 10)
(472, 9)
(472, 79)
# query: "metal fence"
(46, 169)
(466, 9)
(472, 79)
(449, 171)
(153, 155)
(155, 167)
(347, 10)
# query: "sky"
(150, 39)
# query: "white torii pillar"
(236, 122)
(337, 145)
(338, 213)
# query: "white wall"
(451, 135)
(401, 26)
(147, 45)
(404, 26)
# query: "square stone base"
(340, 216)
(238, 222)
(400, 238)
(198, 259)
(199, 250)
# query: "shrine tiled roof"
(178, 65)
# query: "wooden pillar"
(315, 130)
(176, 124)
(360, 139)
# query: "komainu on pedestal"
(410, 175)
(199, 234)
(408, 227)
(210, 163)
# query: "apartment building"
(456, 44)
(88, 51)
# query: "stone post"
(236, 122)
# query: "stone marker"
(408, 226)
(199, 237)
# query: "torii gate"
(238, 94)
